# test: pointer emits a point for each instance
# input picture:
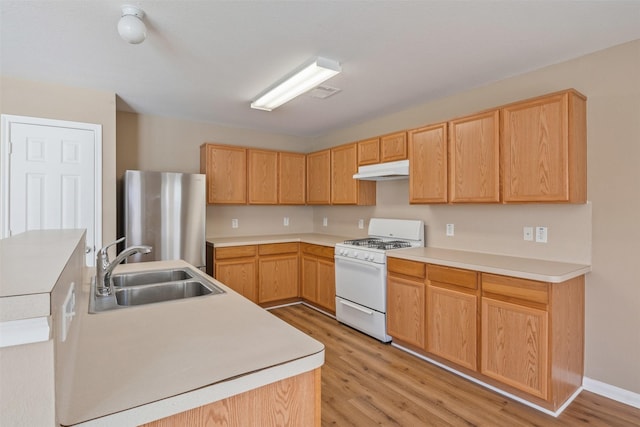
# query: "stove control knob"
(342, 251)
(355, 254)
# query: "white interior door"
(52, 178)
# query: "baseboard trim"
(493, 388)
(612, 392)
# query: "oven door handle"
(373, 265)
(356, 307)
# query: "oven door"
(362, 282)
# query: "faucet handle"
(103, 255)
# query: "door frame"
(5, 151)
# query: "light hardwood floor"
(366, 383)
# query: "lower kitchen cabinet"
(237, 267)
(406, 301)
(277, 272)
(533, 335)
(318, 285)
(452, 315)
(522, 336)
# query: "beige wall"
(168, 144)
(45, 100)
(611, 81)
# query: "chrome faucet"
(104, 268)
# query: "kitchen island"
(135, 365)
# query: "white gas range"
(361, 273)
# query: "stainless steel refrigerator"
(167, 211)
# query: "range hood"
(384, 171)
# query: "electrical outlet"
(361, 224)
(325, 221)
(450, 229)
(527, 233)
(234, 223)
(541, 234)
(285, 222)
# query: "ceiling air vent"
(322, 92)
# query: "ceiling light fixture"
(130, 27)
(310, 76)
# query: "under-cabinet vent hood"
(384, 171)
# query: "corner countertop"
(138, 364)
(524, 268)
(30, 264)
(313, 238)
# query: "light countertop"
(525, 268)
(313, 238)
(155, 360)
(30, 264)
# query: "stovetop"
(376, 243)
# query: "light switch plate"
(325, 221)
(285, 222)
(234, 223)
(450, 229)
(541, 234)
(361, 224)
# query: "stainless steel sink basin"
(150, 294)
(150, 277)
(151, 287)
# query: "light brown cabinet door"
(278, 278)
(406, 310)
(515, 345)
(369, 152)
(319, 178)
(452, 325)
(544, 149)
(291, 178)
(474, 159)
(309, 285)
(393, 147)
(263, 177)
(344, 164)
(344, 189)
(226, 170)
(428, 164)
(239, 275)
(326, 280)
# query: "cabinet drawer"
(408, 268)
(278, 248)
(511, 287)
(453, 276)
(235, 252)
(318, 250)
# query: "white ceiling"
(206, 60)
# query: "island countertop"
(134, 365)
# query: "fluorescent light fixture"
(320, 70)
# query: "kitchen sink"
(150, 294)
(150, 277)
(150, 287)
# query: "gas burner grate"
(375, 243)
(366, 242)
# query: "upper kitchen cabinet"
(344, 189)
(474, 158)
(369, 152)
(262, 177)
(291, 178)
(428, 164)
(544, 149)
(393, 147)
(319, 178)
(226, 170)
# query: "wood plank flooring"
(366, 383)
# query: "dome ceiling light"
(130, 27)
